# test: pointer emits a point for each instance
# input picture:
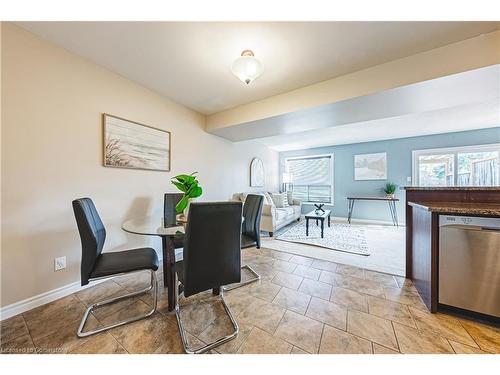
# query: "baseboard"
(50, 296)
(41, 299)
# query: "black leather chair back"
(212, 246)
(92, 235)
(170, 200)
(252, 212)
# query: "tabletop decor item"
(189, 185)
(129, 144)
(256, 173)
(370, 166)
(390, 189)
(319, 207)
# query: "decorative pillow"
(280, 200)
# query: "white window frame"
(332, 167)
(448, 150)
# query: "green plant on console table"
(189, 185)
(390, 188)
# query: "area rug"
(340, 237)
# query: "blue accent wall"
(399, 167)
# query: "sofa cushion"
(280, 200)
(281, 214)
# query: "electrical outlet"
(59, 263)
(408, 179)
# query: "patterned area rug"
(340, 237)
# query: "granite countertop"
(459, 208)
(465, 188)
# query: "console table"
(390, 201)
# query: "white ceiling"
(189, 62)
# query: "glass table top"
(152, 226)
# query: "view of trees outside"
(474, 169)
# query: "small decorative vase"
(390, 196)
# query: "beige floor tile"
(487, 337)
(262, 314)
(292, 300)
(154, 334)
(316, 288)
(18, 345)
(305, 261)
(371, 328)
(328, 312)
(411, 341)
(48, 309)
(263, 260)
(162, 299)
(404, 283)
(359, 285)
(280, 255)
(261, 342)
(281, 265)
(296, 350)
(327, 277)
(49, 323)
(263, 289)
(352, 271)
(287, 280)
(381, 278)
(390, 310)
(134, 281)
(460, 348)
(379, 349)
(442, 325)
(12, 328)
(197, 316)
(324, 265)
(99, 292)
(102, 344)
(131, 310)
(307, 272)
(405, 297)
(300, 331)
(266, 271)
(349, 298)
(64, 338)
(221, 327)
(238, 301)
(335, 341)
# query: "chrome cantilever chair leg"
(90, 309)
(214, 344)
(246, 282)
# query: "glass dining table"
(154, 226)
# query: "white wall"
(52, 101)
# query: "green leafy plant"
(188, 184)
(390, 188)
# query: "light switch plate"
(59, 263)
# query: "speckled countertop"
(458, 208)
(466, 188)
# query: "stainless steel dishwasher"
(469, 263)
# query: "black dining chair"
(211, 258)
(250, 233)
(97, 265)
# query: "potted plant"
(189, 185)
(390, 189)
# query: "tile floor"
(301, 305)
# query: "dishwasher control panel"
(491, 222)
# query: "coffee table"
(318, 216)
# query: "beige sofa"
(273, 217)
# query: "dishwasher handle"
(491, 229)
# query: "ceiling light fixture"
(247, 67)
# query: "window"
(312, 178)
(457, 166)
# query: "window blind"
(312, 178)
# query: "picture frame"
(132, 145)
(370, 166)
(257, 173)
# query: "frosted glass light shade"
(247, 67)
